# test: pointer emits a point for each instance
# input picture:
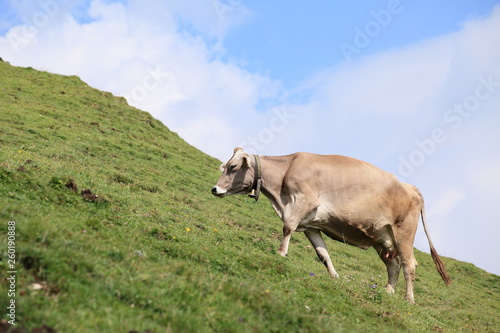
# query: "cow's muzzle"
(219, 192)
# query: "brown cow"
(347, 199)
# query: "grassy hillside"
(116, 231)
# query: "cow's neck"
(274, 169)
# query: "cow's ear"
(246, 160)
(222, 167)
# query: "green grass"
(156, 251)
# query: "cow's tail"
(435, 256)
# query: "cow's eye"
(232, 167)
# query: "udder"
(389, 250)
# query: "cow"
(348, 200)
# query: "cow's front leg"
(288, 230)
(293, 214)
(319, 245)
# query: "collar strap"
(257, 179)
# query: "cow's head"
(237, 175)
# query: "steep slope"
(116, 231)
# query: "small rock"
(36, 286)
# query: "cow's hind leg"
(319, 245)
(404, 233)
(392, 261)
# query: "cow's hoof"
(390, 289)
(410, 299)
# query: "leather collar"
(257, 180)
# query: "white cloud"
(446, 202)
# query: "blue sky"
(410, 86)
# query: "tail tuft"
(440, 266)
